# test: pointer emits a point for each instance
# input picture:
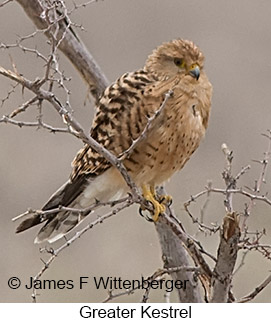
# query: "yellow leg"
(149, 195)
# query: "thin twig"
(86, 210)
(4, 3)
(150, 123)
(38, 124)
(256, 291)
(242, 262)
(23, 107)
(10, 92)
(241, 191)
(262, 175)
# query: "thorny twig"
(10, 92)
(35, 124)
(258, 184)
(231, 186)
(23, 107)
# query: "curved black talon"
(168, 203)
(149, 219)
(140, 212)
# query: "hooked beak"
(194, 71)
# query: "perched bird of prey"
(121, 116)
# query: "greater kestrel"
(121, 116)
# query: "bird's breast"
(167, 147)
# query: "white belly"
(108, 186)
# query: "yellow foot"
(159, 206)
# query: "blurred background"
(235, 38)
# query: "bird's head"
(178, 57)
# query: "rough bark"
(174, 254)
(226, 259)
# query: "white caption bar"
(151, 312)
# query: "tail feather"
(57, 222)
(29, 223)
(61, 224)
(78, 193)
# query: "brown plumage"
(121, 116)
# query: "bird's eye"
(179, 62)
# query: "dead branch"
(226, 259)
(177, 248)
(70, 45)
(230, 235)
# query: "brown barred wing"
(120, 118)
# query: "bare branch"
(36, 124)
(176, 250)
(83, 5)
(261, 179)
(241, 191)
(70, 45)
(229, 179)
(10, 92)
(202, 226)
(256, 291)
(243, 171)
(23, 107)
